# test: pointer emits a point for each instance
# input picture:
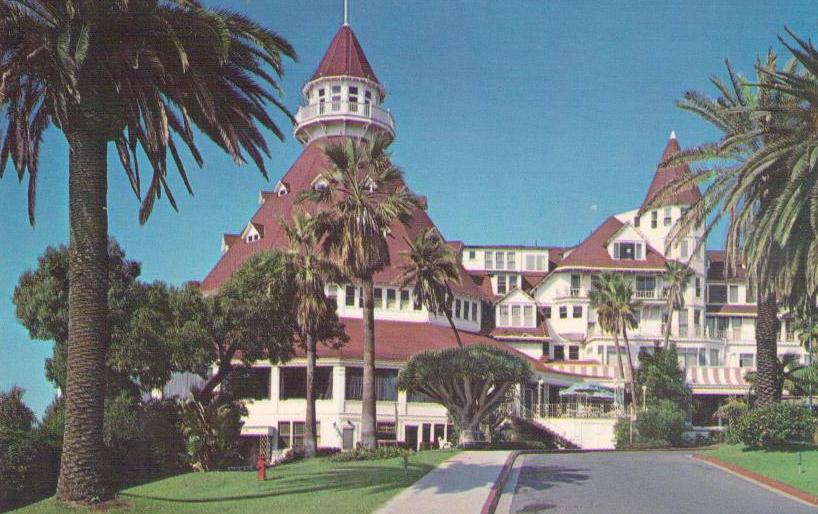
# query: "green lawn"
(316, 485)
(779, 465)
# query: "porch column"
(339, 388)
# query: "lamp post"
(644, 398)
(539, 396)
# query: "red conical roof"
(665, 176)
(345, 57)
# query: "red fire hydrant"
(262, 467)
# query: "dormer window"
(627, 250)
(281, 189)
(320, 185)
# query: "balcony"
(328, 110)
(571, 292)
(646, 294)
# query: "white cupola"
(343, 97)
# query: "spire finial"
(346, 13)
(672, 134)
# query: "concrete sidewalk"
(459, 485)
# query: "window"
(749, 294)
(714, 358)
(654, 216)
(735, 323)
(293, 383)
(502, 284)
(689, 357)
(683, 323)
(321, 94)
(386, 384)
(559, 352)
(353, 94)
(385, 431)
(576, 280)
(332, 292)
(717, 293)
(746, 360)
(528, 315)
(698, 287)
(513, 282)
(563, 312)
(500, 260)
(474, 308)
(515, 315)
(511, 260)
(627, 251)
(573, 353)
(472, 255)
(683, 249)
(368, 96)
(349, 296)
(636, 221)
(457, 308)
(577, 311)
(645, 286)
(503, 317)
(298, 434)
(391, 298)
(546, 349)
(488, 263)
(667, 220)
(284, 435)
(789, 330)
(404, 300)
(336, 94)
(249, 384)
(378, 298)
(733, 294)
(546, 312)
(535, 262)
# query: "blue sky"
(522, 121)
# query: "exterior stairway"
(572, 426)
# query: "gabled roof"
(593, 252)
(345, 57)
(272, 212)
(516, 294)
(665, 176)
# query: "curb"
(499, 484)
(761, 480)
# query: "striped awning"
(703, 380)
(718, 380)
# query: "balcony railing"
(364, 111)
(573, 410)
(571, 292)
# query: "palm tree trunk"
(88, 333)
(448, 313)
(619, 355)
(768, 381)
(309, 425)
(368, 399)
(669, 324)
(632, 379)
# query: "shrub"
(212, 432)
(29, 463)
(660, 426)
(774, 425)
(662, 377)
(381, 452)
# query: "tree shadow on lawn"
(787, 448)
(374, 479)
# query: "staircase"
(572, 427)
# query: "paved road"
(639, 483)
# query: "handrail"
(314, 110)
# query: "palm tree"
(140, 74)
(806, 324)
(612, 298)
(315, 314)
(676, 278)
(363, 196)
(431, 269)
(759, 176)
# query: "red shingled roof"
(592, 253)
(400, 340)
(665, 176)
(275, 209)
(345, 57)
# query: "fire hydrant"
(262, 467)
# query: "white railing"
(571, 292)
(366, 111)
(566, 410)
(646, 293)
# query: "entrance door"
(427, 432)
(348, 438)
(412, 436)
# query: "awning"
(717, 380)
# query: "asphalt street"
(632, 483)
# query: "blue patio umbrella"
(589, 391)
